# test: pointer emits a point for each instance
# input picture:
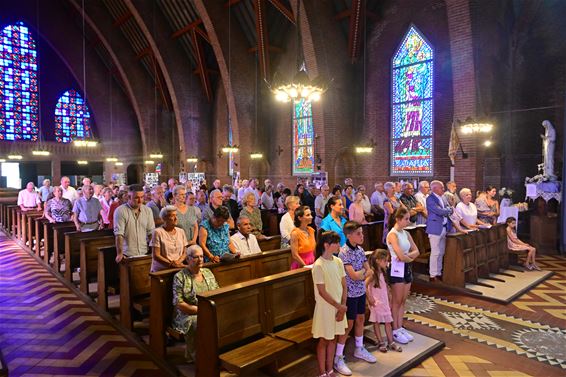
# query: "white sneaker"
(341, 367)
(399, 337)
(407, 335)
(362, 353)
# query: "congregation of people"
(184, 225)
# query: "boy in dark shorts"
(357, 269)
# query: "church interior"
(327, 187)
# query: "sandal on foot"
(382, 347)
(395, 347)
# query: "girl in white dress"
(330, 293)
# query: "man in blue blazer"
(438, 224)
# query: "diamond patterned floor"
(45, 329)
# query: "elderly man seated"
(187, 283)
(244, 241)
(28, 199)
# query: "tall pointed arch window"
(18, 84)
(412, 106)
(303, 138)
(72, 118)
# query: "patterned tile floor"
(488, 339)
(45, 329)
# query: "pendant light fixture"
(40, 151)
(301, 87)
(90, 143)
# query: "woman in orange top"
(303, 243)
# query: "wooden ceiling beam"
(121, 20)
(262, 38)
(231, 2)
(201, 64)
(146, 51)
(283, 10)
(196, 71)
(355, 36)
(277, 50)
(203, 34)
(186, 29)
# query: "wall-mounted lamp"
(157, 156)
(85, 143)
(366, 149)
(40, 153)
(192, 160)
(256, 156)
(82, 162)
(230, 148)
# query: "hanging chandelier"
(476, 126)
(301, 87)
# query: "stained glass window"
(72, 118)
(303, 138)
(18, 84)
(412, 107)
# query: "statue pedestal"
(544, 221)
(544, 233)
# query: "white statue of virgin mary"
(548, 144)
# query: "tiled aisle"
(45, 329)
(490, 339)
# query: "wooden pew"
(247, 268)
(502, 250)
(5, 212)
(270, 222)
(89, 259)
(271, 303)
(492, 252)
(48, 241)
(108, 275)
(459, 260)
(4, 205)
(28, 220)
(135, 287)
(373, 233)
(17, 222)
(59, 243)
(73, 248)
(480, 249)
(12, 219)
(420, 237)
(474, 255)
(38, 233)
(270, 243)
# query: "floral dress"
(217, 240)
(185, 289)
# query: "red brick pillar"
(468, 172)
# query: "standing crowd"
(184, 226)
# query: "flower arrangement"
(522, 207)
(505, 192)
(539, 178)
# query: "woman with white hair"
(468, 211)
(253, 213)
(390, 205)
(168, 242)
(287, 224)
